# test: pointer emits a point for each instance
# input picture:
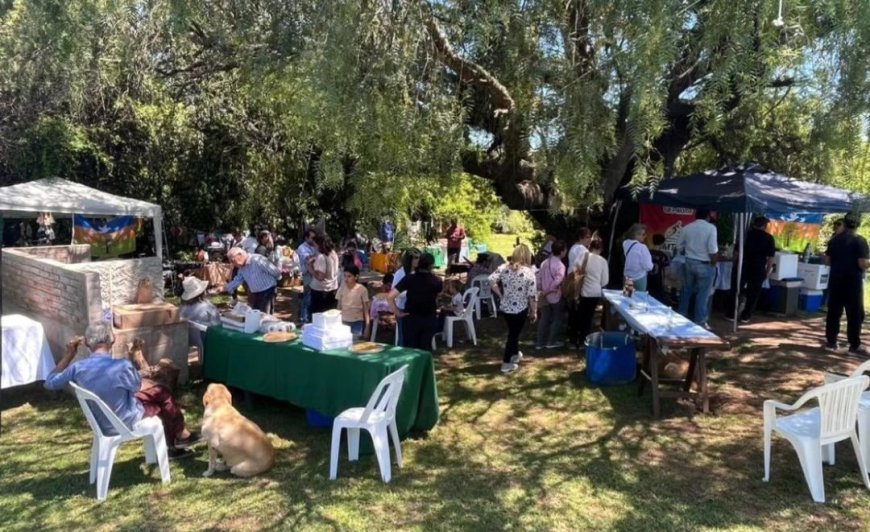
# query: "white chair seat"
(470, 303)
(481, 282)
(807, 424)
(105, 447)
(355, 415)
(378, 418)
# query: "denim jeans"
(697, 281)
(549, 324)
(305, 302)
(357, 328)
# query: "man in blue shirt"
(259, 274)
(117, 382)
(305, 250)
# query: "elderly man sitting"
(260, 275)
(117, 382)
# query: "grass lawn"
(541, 449)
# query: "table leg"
(644, 367)
(654, 377)
(690, 375)
(702, 378)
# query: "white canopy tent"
(60, 196)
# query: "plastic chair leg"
(448, 332)
(150, 451)
(469, 323)
(352, 444)
(162, 453)
(95, 459)
(104, 469)
(477, 308)
(829, 455)
(382, 451)
(394, 433)
(333, 454)
(864, 435)
(862, 462)
(374, 330)
(767, 437)
(810, 458)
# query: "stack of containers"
(327, 332)
(815, 278)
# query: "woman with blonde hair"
(514, 284)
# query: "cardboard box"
(146, 315)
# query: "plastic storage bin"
(810, 300)
(610, 358)
(784, 295)
(316, 419)
(785, 266)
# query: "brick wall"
(62, 299)
(119, 278)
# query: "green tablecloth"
(328, 382)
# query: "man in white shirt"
(698, 243)
(575, 254)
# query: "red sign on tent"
(667, 221)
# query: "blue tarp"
(752, 188)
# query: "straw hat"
(192, 288)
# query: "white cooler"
(785, 266)
(815, 276)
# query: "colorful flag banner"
(794, 230)
(107, 237)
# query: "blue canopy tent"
(747, 189)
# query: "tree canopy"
(228, 112)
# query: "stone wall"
(118, 278)
(64, 300)
(71, 254)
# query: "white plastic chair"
(375, 331)
(469, 302)
(377, 416)
(481, 282)
(812, 430)
(863, 413)
(104, 448)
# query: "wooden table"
(663, 329)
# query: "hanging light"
(778, 21)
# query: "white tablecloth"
(647, 315)
(26, 354)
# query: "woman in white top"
(638, 261)
(324, 272)
(597, 277)
(518, 295)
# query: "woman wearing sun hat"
(194, 305)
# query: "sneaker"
(859, 351)
(832, 348)
(516, 358)
(555, 345)
(509, 367)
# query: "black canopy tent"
(744, 190)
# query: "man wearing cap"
(194, 305)
(847, 255)
(259, 274)
(758, 252)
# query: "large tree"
(228, 111)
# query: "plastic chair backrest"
(86, 399)
(838, 405)
(386, 395)
(482, 283)
(469, 299)
(860, 370)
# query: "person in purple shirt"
(117, 382)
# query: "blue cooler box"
(610, 358)
(316, 419)
(810, 300)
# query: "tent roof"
(57, 195)
(752, 188)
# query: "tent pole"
(741, 236)
(613, 228)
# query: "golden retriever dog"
(244, 447)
